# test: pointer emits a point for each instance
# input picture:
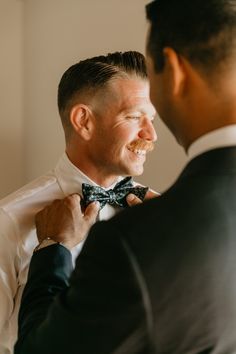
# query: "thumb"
(151, 194)
(91, 212)
(132, 199)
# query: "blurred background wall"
(39, 40)
(12, 161)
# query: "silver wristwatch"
(45, 243)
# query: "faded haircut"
(90, 75)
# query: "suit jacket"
(156, 278)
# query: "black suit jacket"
(156, 278)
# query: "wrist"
(45, 243)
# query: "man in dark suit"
(159, 277)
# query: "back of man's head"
(91, 75)
(203, 31)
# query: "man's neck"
(96, 177)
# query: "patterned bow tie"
(115, 196)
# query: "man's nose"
(148, 132)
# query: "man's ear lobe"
(80, 118)
(176, 70)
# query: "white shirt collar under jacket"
(218, 138)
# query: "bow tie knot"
(112, 196)
(115, 196)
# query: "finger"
(73, 200)
(73, 204)
(91, 212)
(151, 194)
(40, 215)
(133, 200)
(38, 220)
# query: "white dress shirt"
(218, 138)
(18, 237)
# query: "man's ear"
(175, 69)
(80, 118)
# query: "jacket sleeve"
(95, 314)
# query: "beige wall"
(11, 95)
(58, 33)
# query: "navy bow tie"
(115, 196)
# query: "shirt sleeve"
(8, 271)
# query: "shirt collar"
(218, 138)
(70, 178)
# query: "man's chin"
(138, 171)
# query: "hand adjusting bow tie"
(115, 196)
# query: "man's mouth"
(140, 147)
(138, 151)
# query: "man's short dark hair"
(90, 75)
(203, 31)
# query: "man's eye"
(134, 117)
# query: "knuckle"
(55, 202)
(39, 215)
(76, 198)
(67, 201)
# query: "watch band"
(45, 243)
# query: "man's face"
(160, 90)
(161, 95)
(123, 128)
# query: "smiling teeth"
(139, 152)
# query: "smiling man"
(107, 118)
(111, 127)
